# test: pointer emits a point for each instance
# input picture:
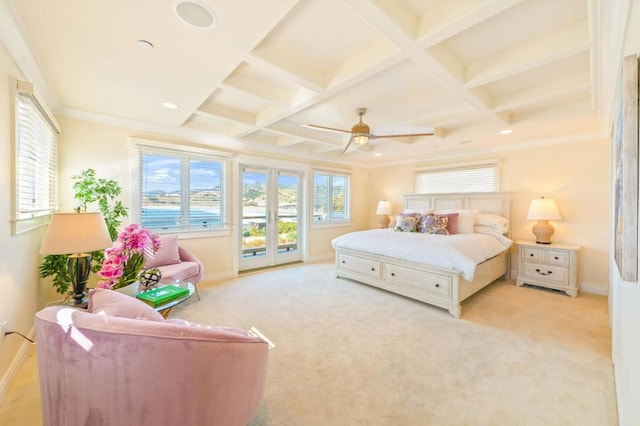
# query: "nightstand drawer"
(546, 273)
(557, 258)
(367, 267)
(534, 255)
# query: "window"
(330, 197)
(469, 177)
(181, 191)
(36, 142)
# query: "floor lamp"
(76, 234)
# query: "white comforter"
(461, 252)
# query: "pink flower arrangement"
(124, 261)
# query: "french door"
(271, 216)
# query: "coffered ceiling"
(463, 69)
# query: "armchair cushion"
(109, 302)
(168, 253)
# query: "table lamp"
(543, 210)
(76, 234)
(384, 210)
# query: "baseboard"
(329, 257)
(14, 367)
(600, 289)
(219, 276)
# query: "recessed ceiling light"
(144, 44)
(194, 13)
(169, 105)
(506, 131)
(377, 154)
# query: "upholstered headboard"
(485, 202)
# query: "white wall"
(21, 293)
(107, 149)
(576, 175)
(625, 298)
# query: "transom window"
(468, 177)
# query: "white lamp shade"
(70, 233)
(543, 209)
(384, 207)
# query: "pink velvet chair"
(120, 363)
(175, 262)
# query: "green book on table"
(161, 295)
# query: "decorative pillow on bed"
(406, 224)
(401, 221)
(452, 222)
(466, 219)
(497, 222)
(434, 224)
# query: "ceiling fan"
(361, 132)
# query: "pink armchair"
(100, 369)
(175, 262)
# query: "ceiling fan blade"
(348, 145)
(333, 129)
(402, 135)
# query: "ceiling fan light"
(360, 139)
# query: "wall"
(107, 149)
(576, 175)
(22, 293)
(625, 297)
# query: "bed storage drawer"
(366, 267)
(413, 280)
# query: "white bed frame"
(437, 286)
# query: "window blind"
(36, 159)
(470, 178)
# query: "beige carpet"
(350, 354)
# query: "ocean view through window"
(181, 191)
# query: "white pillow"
(466, 219)
(497, 222)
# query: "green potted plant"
(88, 189)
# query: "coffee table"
(165, 308)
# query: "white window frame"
(456, 178)
(329, 221)
(184, 153)
(35, 165)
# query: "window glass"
(181, 191)
(330, 197)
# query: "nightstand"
(548, 265)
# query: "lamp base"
(384, 221)
(79, 267)
(543, 232)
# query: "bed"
(373, 258)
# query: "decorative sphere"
(150, 277)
